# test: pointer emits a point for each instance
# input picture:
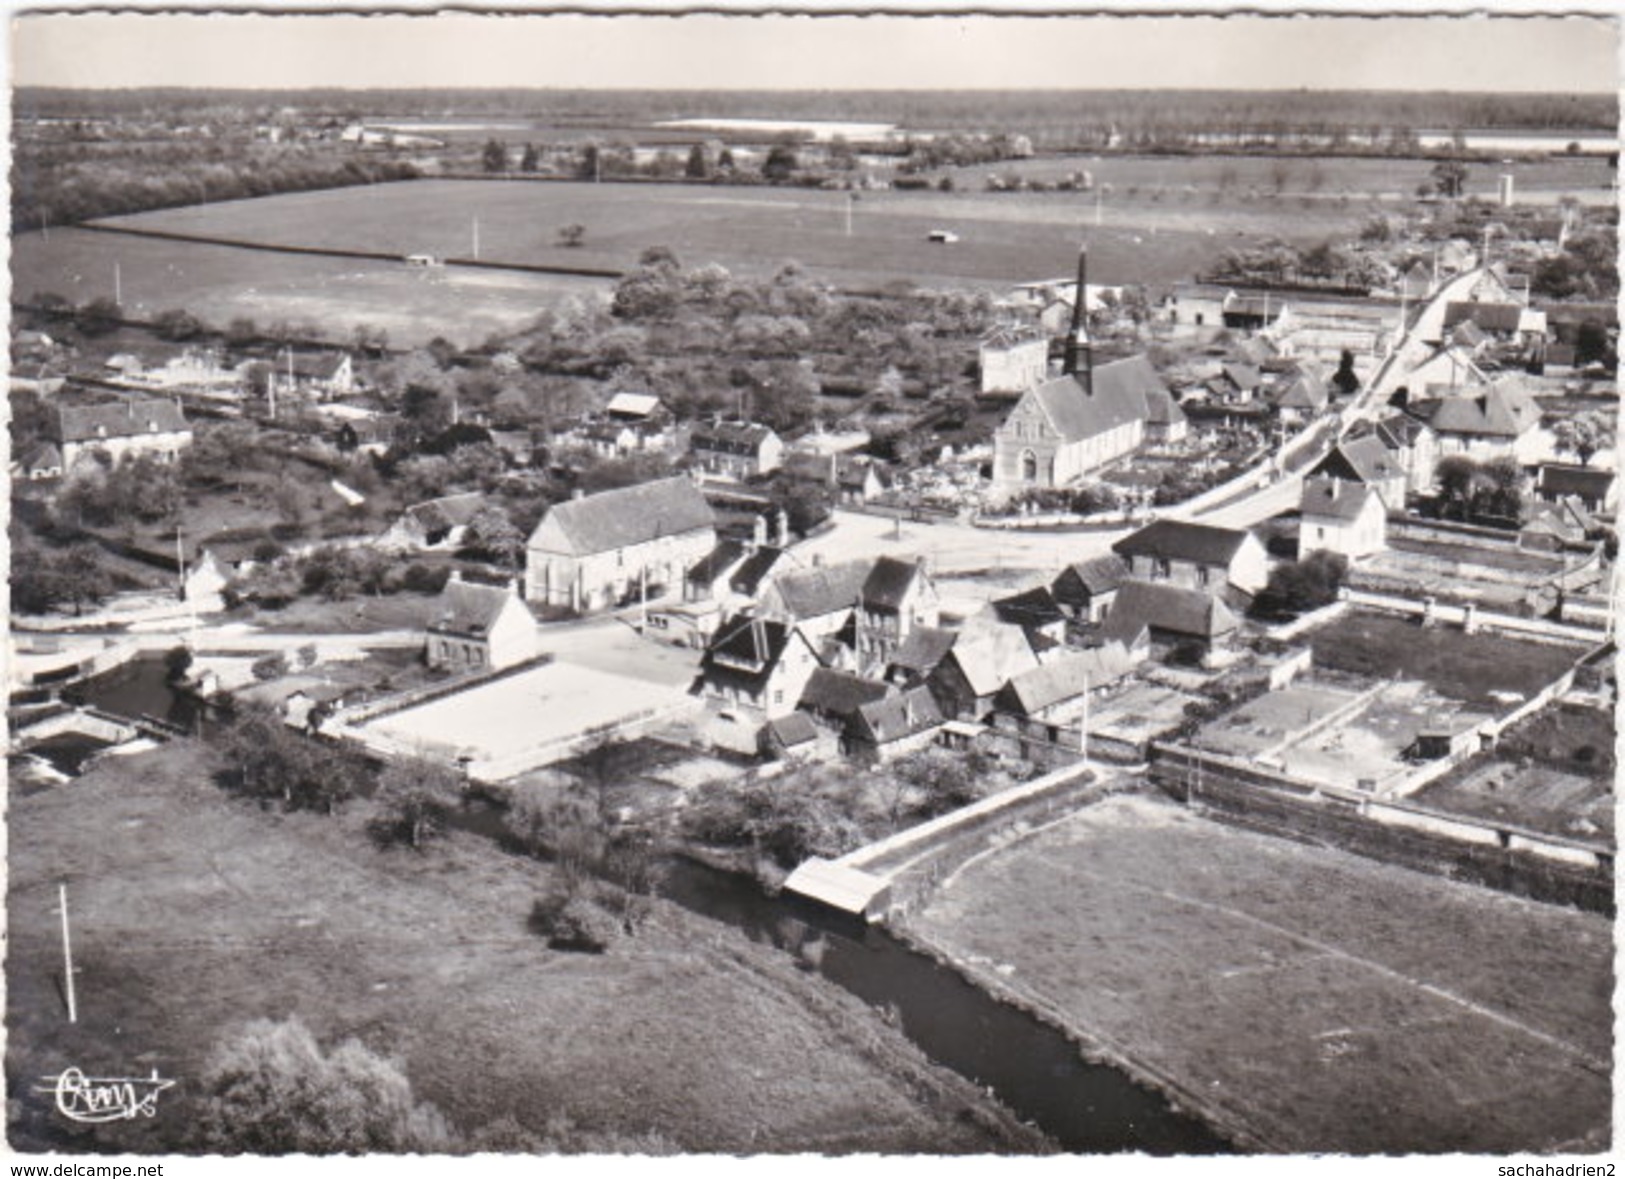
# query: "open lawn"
(194, 913)
(1313, 1000)
(1004, 238)
(1465, 667)
(333, 295)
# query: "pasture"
(333, 295)
(195, 913)
(1004, 238)
(1318, 1001)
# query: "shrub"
(570, 921)
(269, 667)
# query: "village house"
(433, 525)
(1086, 589)
(1364, 459)
(820, 598)
(832, 697)
(1169, 615)
(984, 655)
(119, 429)
(1504, 323)
(1012, 361)
(600, 550)
(795, 736)
(1410, 443)
(1494, 421)
(1340, 516)
(707, 579)
(737, 450)
(892, 726)
(754, 670)
(1079, 422)
(318, 376)
(918, 657)
(1036, 612)
(853, 479)
(1554, 526)
(896, 597)
(1448, 369)
(479, 627)
(1594, 487)
(1198, 556)
(203, 581)
(366, 435)
(1298, 396)
(1047, 704)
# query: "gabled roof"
(630, 516)
(1006, 336)
(819, 468)
(1400, 431)
(989, 652)
(449, 511)
(748, 578)
(118, 419)
(724, 556)
(1120, 390)
(1500, 411)
(1161, 409)
(792, 730)
(744, 651)
(729, 437)
(1181, 540)
(1034, 607)
(889, 582)
(1560, 479)
(853, 470)
(1241, 374)
(1068, 678)
(823, 589)
(1362, 460)
(1337, 499)
(632, 405)
(1168, 608)
(1298, 390)
(469, 610)
(840, 693)
(895, 717)
(44, 457)
(924, 648)
(1098, 575)
(1567, 518)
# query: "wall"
(1532, 628)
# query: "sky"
(708, 51)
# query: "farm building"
(1085, 589)
(319, 376)
(597, 550)
(1169, 615)
(918, 657)
(1341, 517)
(477, 627)
(155, 428)
(754, 670)
(832, 698)
(1197, 556)
(1077, 423)
(739, 450)
(1012, 361)
(1036, 612)
(1056, 693)
(1493, 421)
(983, 658)
(1449, 369)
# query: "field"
(219, 283)
(195, 913)
(1005, 239)
(1472, 668)
(1314, 1000)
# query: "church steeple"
(1077, 335)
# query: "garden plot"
(1497, 577)
(1140, 713)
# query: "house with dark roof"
(479, 627)
(832, 697)
(1298, 395)
(43, 461)
(1035, 611)
(1170, 615)
(1494, 421)
(981, 661)
(892, 726)
(1411, 443)
(738, 450)
(795, 736)
(918, 657)
(1045, 709)
(896, 597)
(1199, 556)
(153, 427)
(598, 550)
(1339, 516)
(435, 524)
(1595, 487)
(748, 577)
(1363, 459)
(1086, 589)
(852, 478)
(754, 670)
(1077, 423)
(707, 579)
(819, 598)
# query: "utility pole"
(67, 955)
(118, 286)
(851, 199)
(1083, 727)
(476, 239)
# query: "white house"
(754, 671)
(478, 627)
(156, 428)
(740, 450)
(1340, 516)
(1012, 361)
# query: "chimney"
(1337, 485)
(577, 493)
(783, 529)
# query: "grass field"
(194, 913)
(1004, 238)
(219, 283)
(1320, 1001)
(1461, 666)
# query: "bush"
(425, 579)
(570, 921)
(270, 667)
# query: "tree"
(416, 797)
(1344, 378)
(273, 1090)
(177, 325)
(99, 316)
(531, 160)
(265, 759)
(1591, 344)
(494, 157)
(241, 331)
(780, 164)
(1584, 435)
(572, 236)
(1449, 177)
(1458, 478)
(1307, 584)
(496, 536)
(697, 167)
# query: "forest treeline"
(1035, 113)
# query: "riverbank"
(195, 912)
(1295, 998)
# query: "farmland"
(195, 913)
(1310, 999)
(333, 294)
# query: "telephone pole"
(67, 955)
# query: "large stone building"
(1077, 423)
(153, 427)
(599, 550)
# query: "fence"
(1538, 629)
